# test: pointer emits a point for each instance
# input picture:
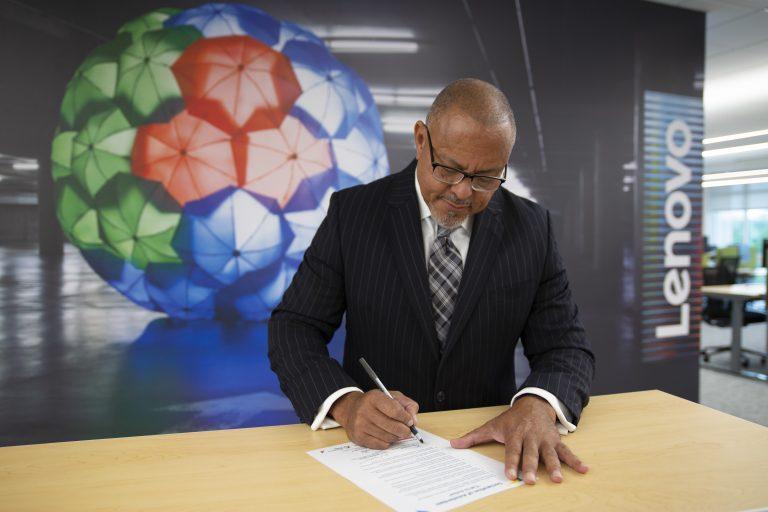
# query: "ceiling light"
(735, 136)
(733, 174)
(26, 166)
(404, 96)
(357, 32)
(372, 46)
(729, 183)
(397, 127)
(734, 150)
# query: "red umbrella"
(236, 83)
(279, 160)
(191, 157)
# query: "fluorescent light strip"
(418, 91)
(734, 150)
(716, 176)
(402, 100)
(735, 136)
(353, 32)
(730, 183)
(369, 46)
(26, 166)
(397, 127)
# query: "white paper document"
(411, 476)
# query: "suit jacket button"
(440, 396)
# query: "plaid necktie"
(445, 267)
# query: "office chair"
(717, 312)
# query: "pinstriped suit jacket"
(367, 260)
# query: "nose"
(463, 189)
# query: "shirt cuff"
(320, 421)
(564, 425)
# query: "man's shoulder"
(367, 195)
(375, 187)
(513, 205)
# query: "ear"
(420, 139)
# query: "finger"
(410, 405)
(397, 429)
(530, 460)
(376, 431)
(567, 456)
(551, 462)
(372, 442)
(513, 446)
(479, 435)
(393, 409)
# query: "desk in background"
(737, 294)
(646, 451)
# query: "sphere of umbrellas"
(197, 152)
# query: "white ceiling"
(735, 76)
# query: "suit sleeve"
(304, 322)
(554, 340)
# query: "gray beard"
(450, 220)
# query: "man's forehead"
(454, 145)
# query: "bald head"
(479, 100)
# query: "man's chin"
(449, 219)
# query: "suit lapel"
(407, 244)
(483, 251)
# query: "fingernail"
(557, 474)
(511, 475)
(410, 423)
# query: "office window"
(757, 226)
(725, 227)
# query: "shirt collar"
(424, 212)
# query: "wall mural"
(197, 152)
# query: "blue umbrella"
(290, 32)
(127, 279)
(312, 191)
(369, 120)
(217, 20)
(360, 158)
(181, 290)
(256, 294)
(304, 225)
(231, 233)
(329, 93)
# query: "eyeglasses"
(453, 176)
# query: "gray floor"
(745, 398)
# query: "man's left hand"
(528, 431)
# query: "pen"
(378, 382)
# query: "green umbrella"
(146, 88)
(102, 149)
(92, 88)
(138, 219)
(61, 154)
(76, 214)
(150, 21)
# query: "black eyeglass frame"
(464, 174)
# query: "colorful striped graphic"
(671, 226)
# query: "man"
(439, 272)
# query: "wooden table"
(646, 450)
(737, 294)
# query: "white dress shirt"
(460, 238)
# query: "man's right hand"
(373, 419)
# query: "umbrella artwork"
(197, 152)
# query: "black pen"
(378, 382)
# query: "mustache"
(455, 200)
